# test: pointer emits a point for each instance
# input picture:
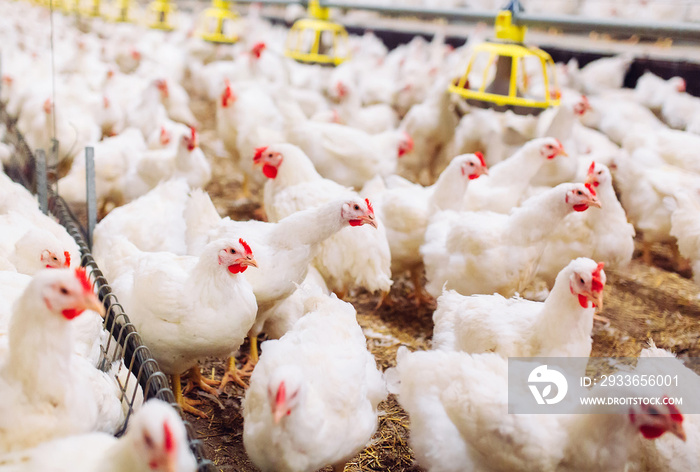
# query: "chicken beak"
(369, 219)
(593, 201)
(676, 429)
(249, 261)
(279, 410)
(562, 153)
(91, 302)
(598, 300)
(170, 463)
(484, 171)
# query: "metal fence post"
(41, 181)
(91, 193)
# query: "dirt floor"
(641, 302)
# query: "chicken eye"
(54, 258)
(582, 281)
(232, 251)
(147, 439)
(63, 290)
(600, 172)
(653, 411)
(578, 192)
(356, 207)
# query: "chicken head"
(654, 420)
(236, 257)
(405, 144)
(551, 148)
(582, 106)
(582, 196)
(269, 160)
(160, 439)
(284, 391)
(473, 165)
(227, 97)
(587, 281)
(68, 292)
(358, 212)
(162, 86)
(191, 141)
(53, 261)
(597, 174)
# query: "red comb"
(66, 254)
(590, 188)
(169, 442)
(245, 246)
(480, 155)
(227, 95)
(369, 206)
(258, 153)
(81, 275)
(559, 143)
(597, 282)
(281, 394)
(591, 168)
(257, 49)
(675, 413)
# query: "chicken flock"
(362, 178)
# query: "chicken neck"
(310, 227)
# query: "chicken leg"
(680, 263)
(235, 374)
(646, 253)
(419, 295)
(185, 403)
(196, 379)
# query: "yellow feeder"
(219, 22)
(160, 11)
(122, 11)
(91, 9)
(506, 80)
(316, 40)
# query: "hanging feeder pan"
(218, 23)
(505, 82)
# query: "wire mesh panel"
(138, 375)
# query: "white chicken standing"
(514, 327)
(313, 396)
(685, 227)
(283, 249)
(44, 395)
(505, 186)
(348, 155)
(354, 257)
(204, 300)
(458, 405)
(406, 208)
(155, 440)
(486, 252)
(601, 234)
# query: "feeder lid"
(504, 28)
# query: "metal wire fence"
(139, 375)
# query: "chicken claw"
(185, 403)
(235, 374)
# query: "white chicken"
(685, 227)
(45, 394)
(354, 257)
(652, 91)
(406, 208)
(205, 300)
(283, 249)
(601, 234)
(486, 252)
(507, 182)
(458, 404)
(348, 155)
(313, 396)
(156, 440)
(603, 74)
(514, 327)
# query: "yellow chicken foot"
(420, 297)
(602, 319)
(384, 300)
(679, 262)
(185, 403)
(235, 374)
